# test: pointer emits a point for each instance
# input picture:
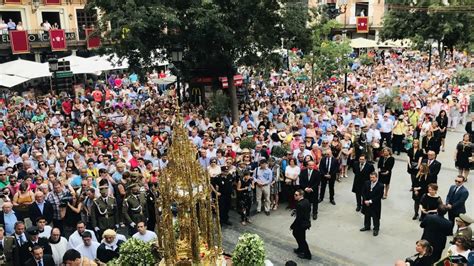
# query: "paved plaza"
(334, 238)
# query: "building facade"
(35, 16)
(372, 9)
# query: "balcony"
(353, 21)
(39, 39)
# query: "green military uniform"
(104, 213)
(135, 209)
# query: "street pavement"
(334, 238)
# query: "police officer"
(224, 186)
(35, 240)
(134, 208)
(104, 212)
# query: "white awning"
(363, 43)
(25, 69)
(9, 81)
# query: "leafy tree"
(217, 35)
(328, 58)
(449, 25)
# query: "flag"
(19, 41)
(362, 24)
(57, 39)
(52, 2)
(93, 41)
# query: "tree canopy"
(447, 22)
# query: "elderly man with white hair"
(109, 247)
(8, 218)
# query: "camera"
(67, 198)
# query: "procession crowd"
(76, 170)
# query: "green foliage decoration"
(219, 105)
(248, 143)
(135, 252)
(250, 250)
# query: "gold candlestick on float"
(195, 237)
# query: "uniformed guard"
(224, 184)
(104, 213)
(134, 208)
(463, 222)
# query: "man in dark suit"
(436, 229)
(40, 208)
(434, 165)
(362, 171)
(35, 240)
(372, 194)
(310, 180)
(456, 198)
(328, 168)
(109, 248)
(470, 129)
(301, 224)
(39, 258)
(20, 246)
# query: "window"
(362, 9)
(15, 16)
(85, 19)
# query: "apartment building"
(31, 16)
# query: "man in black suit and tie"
(328, 168)
(20, 249)
(39, 258)
(40, 208)
(362, 171)
(372, 194)
(436, 230)
(456, 198)
(301, 224)
(434, 165)
(310, 179)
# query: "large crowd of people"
(76, 169)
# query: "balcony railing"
(353, 21)
(38, 36)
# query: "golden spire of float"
(194, 236)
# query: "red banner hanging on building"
(12, 1)
(93, 40)
(57, 39)
(19, 41)
(238, 81)
(362, 24)
(52, 2)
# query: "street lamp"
(53, 68)
(430, 41)
(342, 10)
(176, 57)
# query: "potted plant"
(250, 250)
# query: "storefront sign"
(40, 37)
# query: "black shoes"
(302, 256)
(267, 213)
(297, 251)
(320, 200)
(376, 232)
(333, 202)
(315, 216)
(415, 217)
(364, 229)
(358, 208)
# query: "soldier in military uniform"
(35, 240)
(104, 214)
(463, 222)
(134, 208)
(6, 248)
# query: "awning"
(9, 81)
(25, 69)
(395, 43)
(363, 43)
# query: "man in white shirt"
(88, 248)
(43, 228)
(143, 234)
(76, 238)
(58, 246)
(386, 127)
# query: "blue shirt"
(117, 176)
(10, 220)
(40, 206)
(265, 176)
